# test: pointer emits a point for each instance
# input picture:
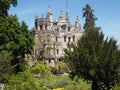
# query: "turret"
(61, 17)
(49, 14)
(77, 23)
(36, 22)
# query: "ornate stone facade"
(52, 37)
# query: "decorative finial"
(67, 12)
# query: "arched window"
(73, 38)
(41, 27)
(57, 51)
(46, 27)
(69, 39)
(68, 29)
(56, 39)
(64, 38)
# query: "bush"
(35, 78)
(54, 70)
(40, 69)
(78, 84)
(23, 81)
(63, 81)
(60, 84)
(116, 88)
(63, 68)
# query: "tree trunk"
(95, 85)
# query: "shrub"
(54, 70)
(116, 88)
(63, 68)
(23, 81)
(40, 69)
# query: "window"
(64, 38)
(49, 52)
(63, 27)
(56, 39)
(45, 27)
(73, 38)
(57, 51)
(41, 27)
(49, 61)
(68, 28)
(69, 39)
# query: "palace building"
(53, 37)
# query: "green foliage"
(89, 18)
(23, 81)
(16, 38)
(116, 88)
(41, 70)
(35, 78)
(5, 66)
(54, 70)
(63, 81)
(5, 6)
(94, 58)
(60, 84)
(77, 86)
(63, 68)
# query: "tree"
(89, 18)
(15, 37)
(5, 67)
(5, 6)
(95, 59)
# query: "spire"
(67, 12)
(67, 8)
(67, 4)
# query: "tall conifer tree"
(89, 18)
(94, 58)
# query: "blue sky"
(107, 12)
